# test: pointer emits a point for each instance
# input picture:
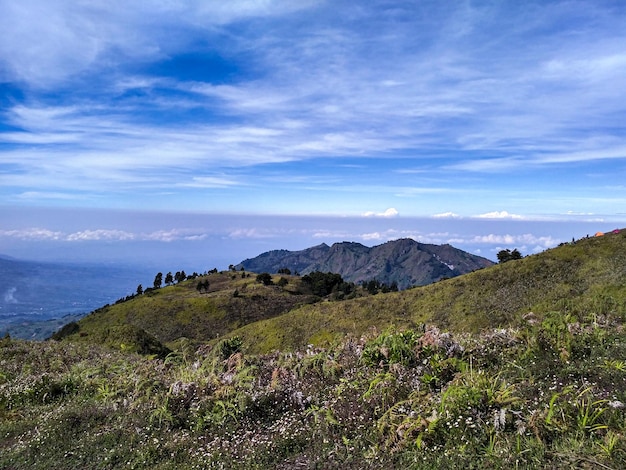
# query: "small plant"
(611, 444)
(230, 346)
(590, 412)
(391, 348)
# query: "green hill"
(182, 311)
(584, 278)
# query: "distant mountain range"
(405, 261)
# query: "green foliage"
(158, 281)
(501, 399)
(323, 284)
(67, 330)
(508, 255)
(265, 279)
(391, 348)
(374, 286)
(230, 346)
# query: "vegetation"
(521, 365)
(508, 255)
(549, 394)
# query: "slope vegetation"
(586, 278)
(182, 311)
(580, 279)
(547, 391)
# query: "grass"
(583, 279)
(587, 278)
(419, 398)
(456, 374)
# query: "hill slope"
(182, 310)
(584, 279)
(405, 262)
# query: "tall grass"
(422, 398)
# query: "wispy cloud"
(32, 234)
(98, 235)
(115, 102)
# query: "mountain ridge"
(404, 261)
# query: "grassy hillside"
(546, 391)
(546, 395)
(585, 279)
(171, 313)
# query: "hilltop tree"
(158, 280)
(508, 255)
(139, 289)
(169, 279)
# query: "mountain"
(405, 262)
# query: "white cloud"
(249, 233)
(446, 215)
(9, 296)
(32, 234)
(509, 240)
(100, 234)
(391, 212)
(44, 43)
(373, 236)
(113, 235)
(211, 182)
(428, 88)
(499, 215)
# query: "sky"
(210, 131)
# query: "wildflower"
(499, 418)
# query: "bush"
(265, 279)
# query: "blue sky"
(216, 121)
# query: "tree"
(158, 280)
(265, 279)
(282, 282)
(508, 255)
(139, 289)
(322, 284)
(169, 279)
(203, 285)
